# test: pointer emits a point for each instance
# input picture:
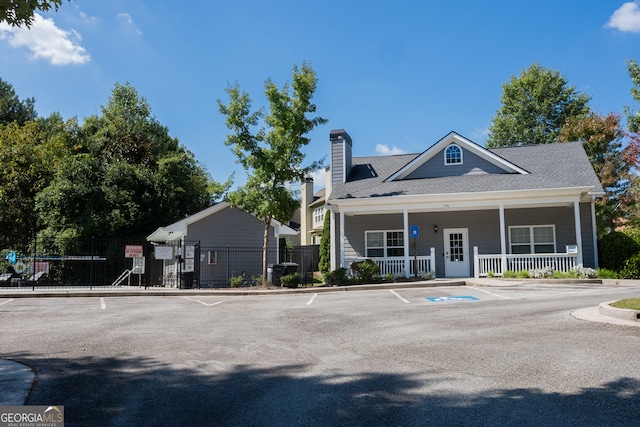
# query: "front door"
(456, 252)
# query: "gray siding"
(483, 227)
(484, 231)
(472, 164)
(588, 251)
(340, 166)
(229, 227)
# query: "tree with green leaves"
(633, 115)
(127, 177)
(269, 144)
(325, 245)
(535, 106)
(602, 138)
(12, 108)
(20, 12)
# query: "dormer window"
(453, 155)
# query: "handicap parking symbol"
(453, 298)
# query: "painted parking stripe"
(4, 302)
(103, 304)
(205, 303)
(487, 292)
(453, 298)
(399, 297)
(312, 298)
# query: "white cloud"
(319, 177)
(384, 149)
(626, 18)
(47, 41)
(126, 18)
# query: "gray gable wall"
(472, 164)
(229, 227)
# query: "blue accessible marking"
(456, 298)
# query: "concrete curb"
(606, 309)
(64, 293)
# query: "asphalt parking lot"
(459, 355)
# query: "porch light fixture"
(435, 229)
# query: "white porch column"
(594, 230)
(576, 214)
(332, 243)
(342, 239)
(407, 266)
(503, 241)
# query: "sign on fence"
(133, 251)
(164, 252)
(138, 265)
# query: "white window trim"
(445, 155)
(385, 248)
(531, 241)
(319, 221)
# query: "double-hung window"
(318, 216)
(532, 239)
(384, 243)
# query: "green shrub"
(336, 277)
(616, 248)
(631, 269)
(509, 274)
(291, 280)
(366, 271)
(236, 281)
(604, 273)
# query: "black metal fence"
(219, 264)
(94, 263)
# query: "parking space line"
(4, 302)
(399, 297)
(487, 292)
(312, 298)
(204, 303)
(103, 304)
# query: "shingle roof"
(550, 166)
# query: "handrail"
(125, 274)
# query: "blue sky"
(397, 76)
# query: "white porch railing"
(485, 265)
(396, 265)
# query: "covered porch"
(467, 238)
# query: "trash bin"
(276, 271)
(187, 280)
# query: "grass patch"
(630, 303)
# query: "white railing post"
(432, 261)
(476, 263)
